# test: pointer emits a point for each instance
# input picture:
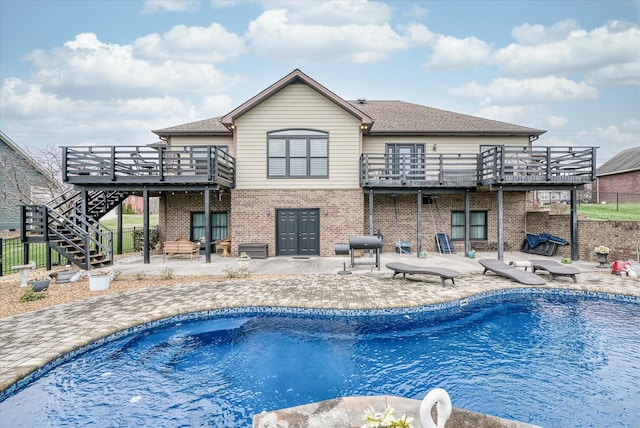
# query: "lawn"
(129, 220)
(621, 212)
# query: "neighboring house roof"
(626, 161)
(23, 154)
(379, 117)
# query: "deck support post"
(145, 222)
(500, 223)
(419, 226)
(467, 223)
(207, 225)
(119, 219)
(370, 212)
(574, 224)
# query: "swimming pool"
(542, 357)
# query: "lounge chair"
(501, 268)
(405, 269)
(555, 269)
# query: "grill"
(365, 243)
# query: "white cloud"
(612, 45)
(88, 68)
(190, 44)
(527, 91)
(332, 13)
(153, 6)
(616, 75)
(527, 34)
(535, 116)
(277, 34)
(51, 119)
(451, 52)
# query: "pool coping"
(29, 342)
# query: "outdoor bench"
(182, 248)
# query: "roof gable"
(296, 76)
(378, 117)
(625, 161)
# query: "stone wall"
(622, 237)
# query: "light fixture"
(435, 147)
(268, 212)
(326, 212)
(363, 126)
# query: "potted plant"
(375, 419)
(99, 280)
(602, 253)
(39, 284)
(242, 263)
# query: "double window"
(477, 226)
(298, 153)
(219, 228)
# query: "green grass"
(130, 220)
(623, 212)
(13, 255)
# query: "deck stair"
(66, 229)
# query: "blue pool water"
(555, 362)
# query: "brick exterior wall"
(384, 218)
(339, 214)
(622, 237)
(175, 213)
(622, 188)
(341, 209)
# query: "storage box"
(255, 251)
(403, 247)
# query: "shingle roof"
(207, 126)
(381, 117)
(398, 117)
(625, 161)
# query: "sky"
(93, 72)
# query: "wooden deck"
(520, 166)
(143, 165)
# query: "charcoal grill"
(365, 243)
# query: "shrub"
(31, 296)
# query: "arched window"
(298, 153)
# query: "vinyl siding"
(180, 141)
(297, 106)
(453, 144)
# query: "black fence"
(12, 251)
(598, 197)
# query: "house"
(299, 169)
(618, 179)
(22, 181)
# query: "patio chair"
(501, 268)
(555, 269)
(142, 166)
(405, 269)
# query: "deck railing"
(142, 164)
(500, 164)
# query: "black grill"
(365, 243)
